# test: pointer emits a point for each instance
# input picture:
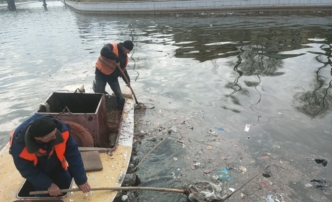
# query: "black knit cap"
(128, 45)
(41, 127)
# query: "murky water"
(270, 72)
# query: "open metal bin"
(87, 109)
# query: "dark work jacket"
(39, 175)
(107, 52)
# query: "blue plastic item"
(223, 175)
(220, 128)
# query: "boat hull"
(115, 163)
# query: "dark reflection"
(318, 101)
(257, 52)
(11, 5)
(256, 47)
(217, 42)
(252, 60)
(45, 5)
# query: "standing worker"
(41, 148)
(107, 72)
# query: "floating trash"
(267, 174)
(220, 128)
(197, 165)
(206, 191)
(321, 161)
(242, 169)
(124, 198)
(211, 132)
(173, 129)
(269, 198)
(319, 184)
(247, 127)
(223, 175)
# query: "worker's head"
(127, 46)
(43, 129)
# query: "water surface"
(271, 72)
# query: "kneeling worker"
(41, 148)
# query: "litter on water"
(247, 127)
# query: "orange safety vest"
(105, 65)
(60, 150)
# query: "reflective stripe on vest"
(105, 65)
(60, 150)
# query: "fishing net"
(207, 191)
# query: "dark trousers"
(99, 85)
(61, 178)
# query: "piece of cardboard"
(91, 161)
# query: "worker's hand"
(54, 190)
(128, 84)
(85, 187)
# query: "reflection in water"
(319, 101)
(255, 52)
(252, 60)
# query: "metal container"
(87, 109)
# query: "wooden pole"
(126, 79)
(149, 153)
(182, 191)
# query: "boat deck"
(115, 162)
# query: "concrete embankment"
(159, 7)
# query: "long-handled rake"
(138, 104)
(198, 192)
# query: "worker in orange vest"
(107, 72)
(42, 148)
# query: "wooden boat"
(100, 130)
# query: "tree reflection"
(319, 101)
(252, 60)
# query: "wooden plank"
(91, 161)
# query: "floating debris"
(321, 161)
(212, 132)
(269, 198)
(197, 165)
(220, 128)
(247, 127)
(173, 129)
(242, 169)
(319, 184)
(224, 175)
(267, 174)
(124, 198)
(231, 189)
